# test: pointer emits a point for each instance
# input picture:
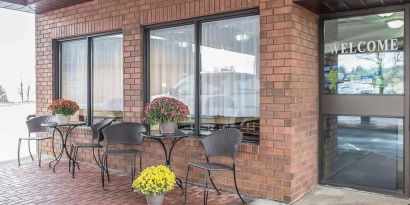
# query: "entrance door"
(363, 102)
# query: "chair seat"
(122, 152)
(87, 145)
(35, 138)
(211, 166)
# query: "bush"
(165, 109)
(154, 181)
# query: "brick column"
(289, 96)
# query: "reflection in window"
(364, 55)
(172, 66)
(108, 77)
(363, 151)
(229, 73)
(74, 73)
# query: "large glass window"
(364, 54)
(230, 75)
(103, 80)
(107, 77)
(172, 66)
(74, 73)
(364, 151)
(228, 72)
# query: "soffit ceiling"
(38, 6)
(331, 6)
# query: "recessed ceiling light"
(395, 23)
(183, 44)
(385, 14)
(242, 37)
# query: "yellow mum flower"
(154, 180)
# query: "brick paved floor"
(30, 184)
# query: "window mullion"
(89, 81)
(197, 77)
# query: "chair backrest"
(124, 133)
(222, 142)
(98, 127)
(34, 123)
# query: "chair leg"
(132, 169)
(140, 163)
(18, 152)
(39, 152)
(106, 168)
(236, 185)
(29, 150)
(213, 184)
(186, 183)
(71, 154)
(75, 161)
(74, 158)
(206, 190)
(95, 158)
(102, 172)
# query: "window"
(364, 151)
(172, 66)
(212, 67)
(362, 102)
(364, 54)
(91, 73)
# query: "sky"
(17, 51)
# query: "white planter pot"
(167, 127)
(155, 200)
(62, 119)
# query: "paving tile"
(30, 184)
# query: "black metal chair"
(34, 126)
(98, 136)
(126, 133)
(220, 143)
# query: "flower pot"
(155, 200)
(62, 119)
(167, 127)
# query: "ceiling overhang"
(332, 6)
(38, 6)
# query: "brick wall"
(284, 165)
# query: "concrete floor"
(323, 195)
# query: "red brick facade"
(284, 165)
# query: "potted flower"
(63, 109)
(167, 112)
(154, 182)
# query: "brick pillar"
(289, 96)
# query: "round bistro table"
(174, 137)
(59, 127)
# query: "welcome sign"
(365, 46)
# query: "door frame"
(406, 124)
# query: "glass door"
(363, 102)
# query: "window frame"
(57, 47)
(197, 23)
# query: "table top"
(177, 134)
(55, 124)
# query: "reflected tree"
(20, 90)
(378, 59)
(28, 92)
(3, 95)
